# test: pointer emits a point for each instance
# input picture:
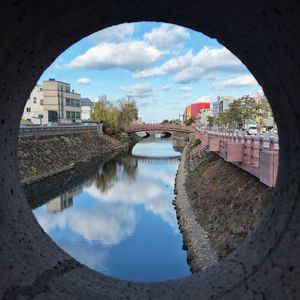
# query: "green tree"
(189, 122)
(211, 121)
(116, 117)
(127, 113)
(105, 111)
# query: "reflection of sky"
(155, 148)
(130, 231)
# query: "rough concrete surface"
(265, 37)
(200, 255)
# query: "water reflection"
(122, 222)
(107, 176)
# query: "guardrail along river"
(121, 221)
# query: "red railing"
(256, 155)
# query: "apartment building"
(225, 101)
(33, 110)
(86, 108)
(202, 118)
(61, 105)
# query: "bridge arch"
(263, 34)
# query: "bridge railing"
(165, 127)
(258, 155)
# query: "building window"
(77, 115)
(68, 115)
(77, 103)
(28, 109)
(73, 102)
(34, 101)
(68, 102)
(41, 102)
(73, 115)
(40, 116)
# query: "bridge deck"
(160, 127)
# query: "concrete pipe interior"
(263, 34)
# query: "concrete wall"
(263, 34)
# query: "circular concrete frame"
(263, 34)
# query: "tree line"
(116, 116)
(240, 112)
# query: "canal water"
(121, 221)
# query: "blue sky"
(163, 67)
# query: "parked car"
(252, 130)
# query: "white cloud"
(207, 98)
(185, 88)
(203, 65)
(171, 66)
(217, 59)
(165, 88)
(140, 90)
(166, 36)
(189, 75)
(186, 96)
(234, 82)
(83, 81)
(114, 34)
(132, 55)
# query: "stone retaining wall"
(42, 157)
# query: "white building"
(62, 105)
(33, 110)
(225, 101)
(52, 102)
(86, 108)
(202, 118)
(215, 108)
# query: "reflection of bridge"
(160, 127)
(156, 160)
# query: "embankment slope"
(226, 200)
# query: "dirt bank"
(40, 158)
(226, 200)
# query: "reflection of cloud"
(109, 224)
(162, 208)
(136, 193)
(158, 175)
(89, 254)
(154, 198)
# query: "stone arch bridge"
(160, 127)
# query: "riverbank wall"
(225, 201)
(200, 254)
(42, 157)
